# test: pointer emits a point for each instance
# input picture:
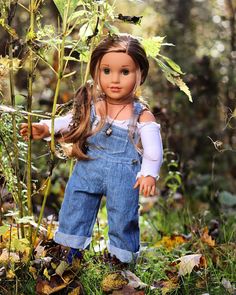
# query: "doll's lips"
(115, 89)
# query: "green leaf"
(85, 31)
(62, 5)
(4, 229)
(152, 45)
(20, 244)
(172, 64)
(78, 14)
(111, 29)
(84, 56)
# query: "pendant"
(108, 131)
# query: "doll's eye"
(106, 71)
(125, 72)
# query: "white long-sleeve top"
(149, 133)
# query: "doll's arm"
(61, 124)
(150, 135)
(152, 149)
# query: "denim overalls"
(111, 172)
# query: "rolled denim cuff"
(77, 242)
(123, 255)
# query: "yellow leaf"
(113, 281)
(45, 273)
(33, 271)
(10, 274)
(188, 262)
(171, 242)
(76, 291)
(183, 87)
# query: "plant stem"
(29, 109)
(15, 147)
(46, 193)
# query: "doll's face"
(117, 75)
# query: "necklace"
(108, 131)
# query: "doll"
(107, 123)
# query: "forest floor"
(182, 252)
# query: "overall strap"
(92, 113)
(138, 108)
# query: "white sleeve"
(61, 124)
(152, 149)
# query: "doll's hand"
(147, 185)
(39, 131)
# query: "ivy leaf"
(152, 45)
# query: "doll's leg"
(122, 209)
(76, 218)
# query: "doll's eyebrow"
(123, 66)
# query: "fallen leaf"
(61, 268)
(166, 286)
(76, 291)
(188, 262)
(113, 281)
(44, 287)
(134, 281)
(206, 238)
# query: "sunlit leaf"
(85, 31)
(182, 86)
(152, 45)
(62, 5)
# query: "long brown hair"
(81, 125)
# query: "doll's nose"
(115, 78)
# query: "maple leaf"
(188, 262)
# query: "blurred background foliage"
(200, 135)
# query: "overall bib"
(111, 172)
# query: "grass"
(167, 234)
